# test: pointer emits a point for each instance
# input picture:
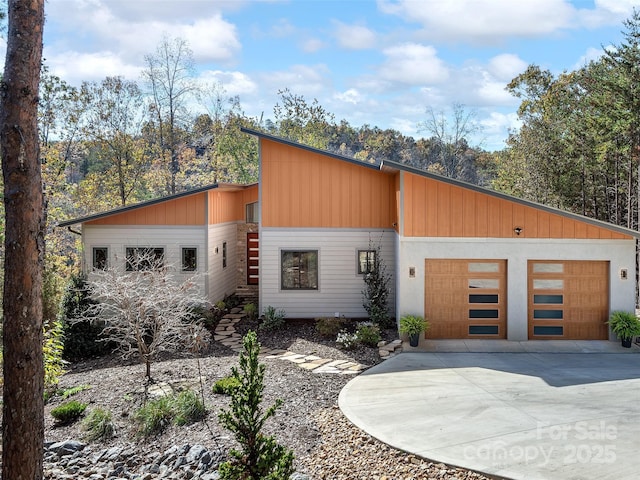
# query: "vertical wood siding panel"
(431, 211)
(530, 223)
(544, 225)
(408, 207)
(506, 219)
(555, 226)
(420, 206)
(568, 228)
(444, 210)
(494, 217)
(456, 219)
(469, 213)
(519, 219)
(482, 215)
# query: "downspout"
(74, 231)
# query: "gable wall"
(188, 210)
(306, 189)
(229, 206)
(438, 209)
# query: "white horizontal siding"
(339, 285)
(171, 238)
(222, 281)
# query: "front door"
(253, 252)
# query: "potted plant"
(413, 325)
(625, 325)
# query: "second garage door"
(568, 300)
(466, 298)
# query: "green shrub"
(68, 412)
(368, 333)
(376, 291)
(329, 326)
(81, 339)
(154, 417)
(187, 408)
(346, 340)
(182, 409)
(98, 425)
(226, 385)
(251, 310)
(52, 349)
(273, 319)
(69, 392)
(261, 456)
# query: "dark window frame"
(369, 259)
(298, 259)
(104, 262)
(224, 254)
(251, 212)
(135, 265)
(189, 265)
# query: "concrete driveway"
(514, 415)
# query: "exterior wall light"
(518, 230)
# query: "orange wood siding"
(188, 210)
(437, 209)
(306, 189)
(229, 206)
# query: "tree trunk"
(23, 405)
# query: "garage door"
(466, 298)
(568, 300)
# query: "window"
(366, 260)
(224, 254)
(299, 270)
(100, 257)
(252, 212)
(144, 258)
(189, 259)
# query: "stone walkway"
(226, 334)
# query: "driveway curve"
(513, 415)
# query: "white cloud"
(413, 64)
(76, 67)
(349, 96)
(300, 79)
(210, 36)
(234, 83)
(506, 66)
(312, 45)
(484, 21)
(354, 37)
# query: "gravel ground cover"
(325, 444)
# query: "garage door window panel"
(484, 330)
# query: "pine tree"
(261, 458)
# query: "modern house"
(476, 263)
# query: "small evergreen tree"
(376, 291)
(261, 458)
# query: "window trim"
(285, 251)
(255, 206)
(369, 262)
(182, 262)
(93, 258)
(129, 268)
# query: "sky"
(381, 63)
